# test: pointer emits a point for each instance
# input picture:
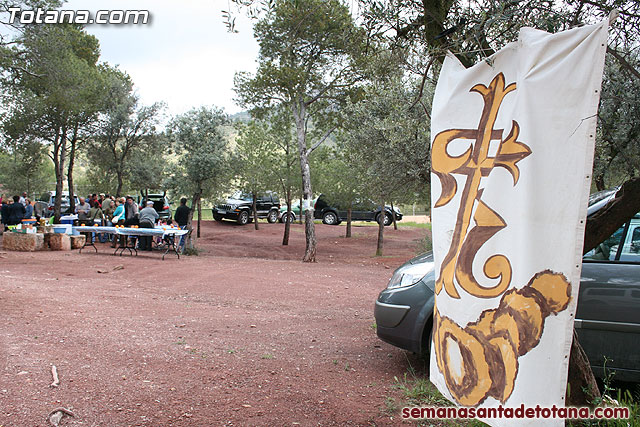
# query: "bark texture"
(380, 231)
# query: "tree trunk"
(348, 234)
(199, 213)
(393, 216)
(254, 209)
(301, 210)
(608, 219)
(380, 230)
(72, 158)
(299, 112)
(120, 182)
(59, 152)
(191, 240)
(582, 387)
(287, 223)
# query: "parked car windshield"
(240, 195)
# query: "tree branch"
(323, 139)
(618, 211)
(623, 62)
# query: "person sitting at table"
(82, 209)
(148, 218)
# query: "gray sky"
(184, 56)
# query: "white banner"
(512, 154)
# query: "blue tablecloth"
(128, 231)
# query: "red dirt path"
(243, 335)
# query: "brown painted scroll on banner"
(480, 360)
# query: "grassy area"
(418, 391)
(206, 214)
(374, 224)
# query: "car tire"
(217, 217)
(292, 218)
(272, 217)
(330, 218)
(388, 220)
(243, 218)
(427, 336)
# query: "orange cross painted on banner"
(476, 163)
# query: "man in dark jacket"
(16, 211)
(182, 218)
(182, 213)
(5, 214)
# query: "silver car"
(607, 318)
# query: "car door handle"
(633, 328)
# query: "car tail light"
(166, 208)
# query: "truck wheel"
(272, 217)
(330, 218)
(217, 217)
(243, 218)
(388, 220)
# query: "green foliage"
(26, 167)
(255, 157)
(200, 146)
(335, 177)
(125, 149)
(54, 89)
(617, 149)
(386, 143)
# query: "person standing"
(131, 212)
(96, 214)
(28, 214)
(5, 214)
(82, 209)
(182, 218)
(23, 198)
(182, 213)
(148, 218)
(118, 215)
(107, 206)
(16, 211)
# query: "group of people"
(100, 209)
(14, 213)
(110, 211)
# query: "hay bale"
(59, 242)
(23, 242)
(78, 241)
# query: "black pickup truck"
(239, 208)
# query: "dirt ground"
(243, 335)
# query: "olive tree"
(308, 64)
(199, 142)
